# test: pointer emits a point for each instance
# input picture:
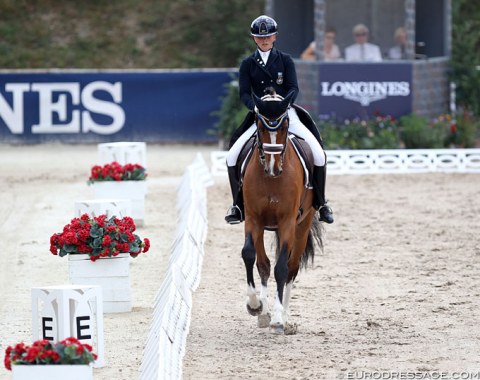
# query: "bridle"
(272, 125)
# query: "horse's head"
(272, 131)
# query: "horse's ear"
(286, 101)
(258, 102)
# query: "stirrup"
(234, 215)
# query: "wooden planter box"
(133, 190)
(52, 372)
(111, 273)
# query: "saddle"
(300, 146)
(303, 115)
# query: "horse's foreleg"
(254, 306)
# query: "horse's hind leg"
(298, 250)
(280, 272)
(254, 305)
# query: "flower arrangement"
(98, 237)
(68, 351)
(380, 132)
(116, 172)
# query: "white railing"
(387, 161)
(165, 346)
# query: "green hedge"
(411, 132)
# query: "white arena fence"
(165, 345)
(387, 161)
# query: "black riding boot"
(320, 203)
(235, 212)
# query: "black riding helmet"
(263, 26)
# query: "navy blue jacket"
(279, 73)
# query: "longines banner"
(82, 107)
(349, 90)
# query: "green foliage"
(231, 114)
(464, 131)
(460, 130)
(124, 33)
(413, 132)
(466, 53)
(378, 133)
(418, 132)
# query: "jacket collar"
(271, 58)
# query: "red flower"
(83, 235)
(70, 237)
(146, 245)
(453, 128)
(7, 360)
(106, 241)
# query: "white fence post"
(165, 345)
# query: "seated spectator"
(399, 50)
(361, 50)
(331, 52)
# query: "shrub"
(417, 132)
(463, 131)
(378, 133)
(231, 114)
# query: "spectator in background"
(361, 50)
(331, 52)
(399, 50)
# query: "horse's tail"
(314, 236)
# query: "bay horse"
(276, 198)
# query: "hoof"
(263, 320)
(291, 328)
(277, 329)
(253, 311)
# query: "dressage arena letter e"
(79, 323)
(56, 103)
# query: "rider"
(269, 67)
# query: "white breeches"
(295, 126)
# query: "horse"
(276, 198)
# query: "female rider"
(269, 67)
